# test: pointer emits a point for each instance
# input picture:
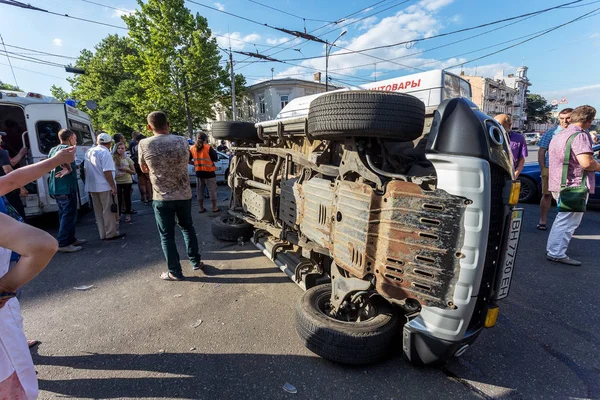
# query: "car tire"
(529, 190)
(388, 115)
(230, 229)
(234, 130)
(355, 343)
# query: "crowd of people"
(568, 170)
(161, 164)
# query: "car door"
(221, 166)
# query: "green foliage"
(8, 86)
(59, 93)
(538, 110)
(168, 52)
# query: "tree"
(538, 110)
(59, 93)
(8, 86)
(109, 83)
(178, 62)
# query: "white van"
(33, 121)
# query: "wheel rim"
(525, 191)
(364, 314)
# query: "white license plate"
(510, 253)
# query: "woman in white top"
(36, 247)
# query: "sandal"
(216, 211)
(32, 343)
(541, 227)
(167, 276)
(128, 220)
(202, 211)
(198, 266)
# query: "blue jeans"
(67, 215)
(171, 213)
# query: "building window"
(262, 106)
(284, 101)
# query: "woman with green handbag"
(571, 179)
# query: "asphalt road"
(134, 336)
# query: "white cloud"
(122, 12)
(57, 42)
(487, 71)
(576, 96)
(434, 5)
(420, 21)
(366, 10)
(277, 41)
(220, 6)
(367, 23)
(238, 42)
(595, 35)
(588, 89)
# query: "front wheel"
(529, 190)
(364, 340)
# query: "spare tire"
(388, 115)
(230, 229)
(234, 130)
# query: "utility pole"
(233, 102)
(328, 48)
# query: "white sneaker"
(79, 242)
(69, 249)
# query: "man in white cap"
(100, 183)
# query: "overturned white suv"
(397, 236)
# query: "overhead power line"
(35, 72)
(589, 14)
(41, 52)
(9, 62)
(422, 39)
(290, 14)
(33, 8)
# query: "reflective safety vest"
(202, 161)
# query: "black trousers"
(124, 196)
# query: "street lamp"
(327, 51)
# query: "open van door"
(80, 123)
(44, 121)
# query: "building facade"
(264, 100)
(502, 95)
(519, 82)
(492, 96)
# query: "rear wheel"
(230, 229)
(529, 190)
(364, 340)
(386, 115)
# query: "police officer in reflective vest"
(203, 156)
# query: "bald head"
(504, 120)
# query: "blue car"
(531, 182)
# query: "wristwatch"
(6, 296)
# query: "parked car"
(532, 138)
(395, 245)
(531, 182)
(222, 169)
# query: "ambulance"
(31, 120)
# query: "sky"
(562, 62)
